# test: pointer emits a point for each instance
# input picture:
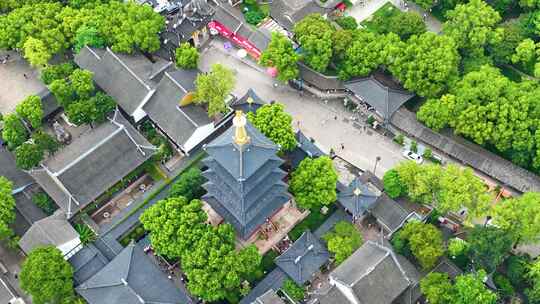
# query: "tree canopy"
(213, 88)
(314, 33)
(175, 224)
(313, 183)
(467, 288)
(472, 25)
(281, 55)
(393, 185)
(47, 276)
(276, 124)
(343, 240)
(31, 110)
(7, 208)
(28, 155)
(186, 56)
(425, 242)
(488, 247)
(519, 216)
(14, 132)
(428, 64)
(189, 185)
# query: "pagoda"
(245, 184)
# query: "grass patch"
(388, 10)
(313, 221)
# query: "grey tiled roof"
(272, 281)
(384, 99)
(358, 197)
(9, 170)
(389, 213)
(289, 12)
(53, 230)
(131, 278)
(468, 153)
(129, 79)
(244, 185)
(269, 297)
(332, 296)
(250, 102)
(48, 102)
(86, 263)
(376, 274)
(179, 123)
(303, 258)
(305, 148)
(92, 163)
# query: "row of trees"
(43, 29)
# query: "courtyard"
(315, 118)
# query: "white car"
(413, 156)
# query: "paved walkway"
(363, 12)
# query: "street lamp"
(377, 160)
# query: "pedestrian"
(424, 16)
(342, 147)
(25, 76)
(335, 117)
(15, 275)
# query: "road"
(328, 123)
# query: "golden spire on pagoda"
(240, 134)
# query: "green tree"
(47, 276)
(343, 240)
(54, 72)
(533, 276)
(82, 83)
(281, 55)
(421, 182)
(81, 112)
(425, 4)
(63, 92)
(28, 155)
(186, 56)
(428, 64)
(425, 242)
(292, 289)
(525, 52)
(14, 132)
(45, 141)
(103, 104)
(175, 224)
(214, 269)
(393, 185)
(519, 216)
(347, 22)
(402, 24)
(7, 208)
(472, 25)
(36, 52)
(488, 247)
(88, 35)
(511, 35)
(437, 288)
(189, 185)
(31, 110)
(313, 183)
(470, 288)
(213, 87)
(275, 123)
(314, 34)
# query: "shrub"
(370, 120)
(254, 16)
(399, 139)
(189, 185)
(86, 234)
(456, 247)
(414, 146)
(347, 23)
(504, 285)
(428, 154)
(293, 290)
(43, 201)
(186, 56)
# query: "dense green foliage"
(393, 185)
(28, 155)
(31, 110)
(7, 208)
(488, 247)
(213, 88)
(313, 183)
(186, 56)
(314, 33)
(292, 289)
(519, 216)
(43, 29)
(446, 188)
(47, 276)
(14, 133)
(276, 124)
(343, 240)
(347, 23)
(424, 241)
(189, 185)
(55, 72)
(86, 235)
(392, 20)
(467, 288)
(44, 202)
(281, 55)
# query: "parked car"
(413, 156)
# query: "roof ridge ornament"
(240, 134)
